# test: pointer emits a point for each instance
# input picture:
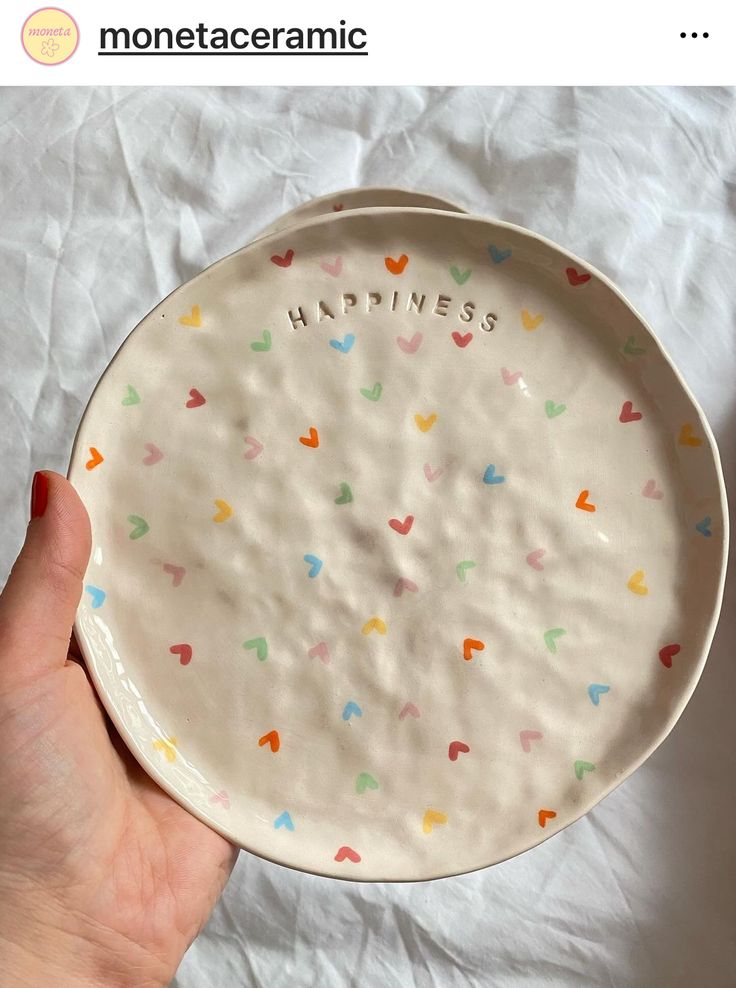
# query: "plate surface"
(409, 543)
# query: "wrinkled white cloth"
(109, 199)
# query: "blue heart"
(351, 708)
(344, 346)
(284, 820)
(497, 256)
(704, 527)
(595, 690)
(97, 595)
(489, 477)
(315, 565)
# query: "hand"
(104, 880)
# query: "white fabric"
(110, 199)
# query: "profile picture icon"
(50, 36)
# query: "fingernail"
(39, 494)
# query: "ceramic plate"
(359, 198)
(409, 543)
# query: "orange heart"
(583, 503)
(311, 440)
(96, 458)
(687, 436)
(545, 815)
(470, 645)
(396, 267)
(271, 738)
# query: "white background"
(481, 42)
(111, 198)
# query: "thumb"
(40, 599)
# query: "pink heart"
(178, 572)
(412, 345)
(334, 268)
(403, 584)
(255, 450)
(221, 797)
(409, 708)
(526, 738)
(154, 454)
(431, 474)
(320, 651)
(508, 377)
(534, 557)
(650, 490)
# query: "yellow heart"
(425, 424)
(688, 437)
(375, 624)
(433, 818)
(224, 513)
(195, 319)
(529, 321)
(168, 746)
(636, 583)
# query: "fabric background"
(109, 199)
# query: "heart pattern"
(283, 260)
(456, 748)
(193, 318)
(196, 398)
(95, 459)
(412, 345)
(396, 266)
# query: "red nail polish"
(39, 494)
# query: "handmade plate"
(409, 543)
(358, 198)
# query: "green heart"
(631, 349)
(140, 526)
(553, 410)
(346, 495)
(365, 781)
(374, 393)
(550, 638)
(261, 647)
(263, 346)
(462, 567)
(132, 397)
(460, 276)
(582, 767)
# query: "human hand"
(104, 880)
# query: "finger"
(40, 599)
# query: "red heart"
(196, 399)
(285, 261)
(402, 527)
(575, 278)
(455, 748)
(337, 207)
(184, 652)
(349, 853)
(460, 340)
(667, 653)
(628, 414)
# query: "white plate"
(409, 543)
